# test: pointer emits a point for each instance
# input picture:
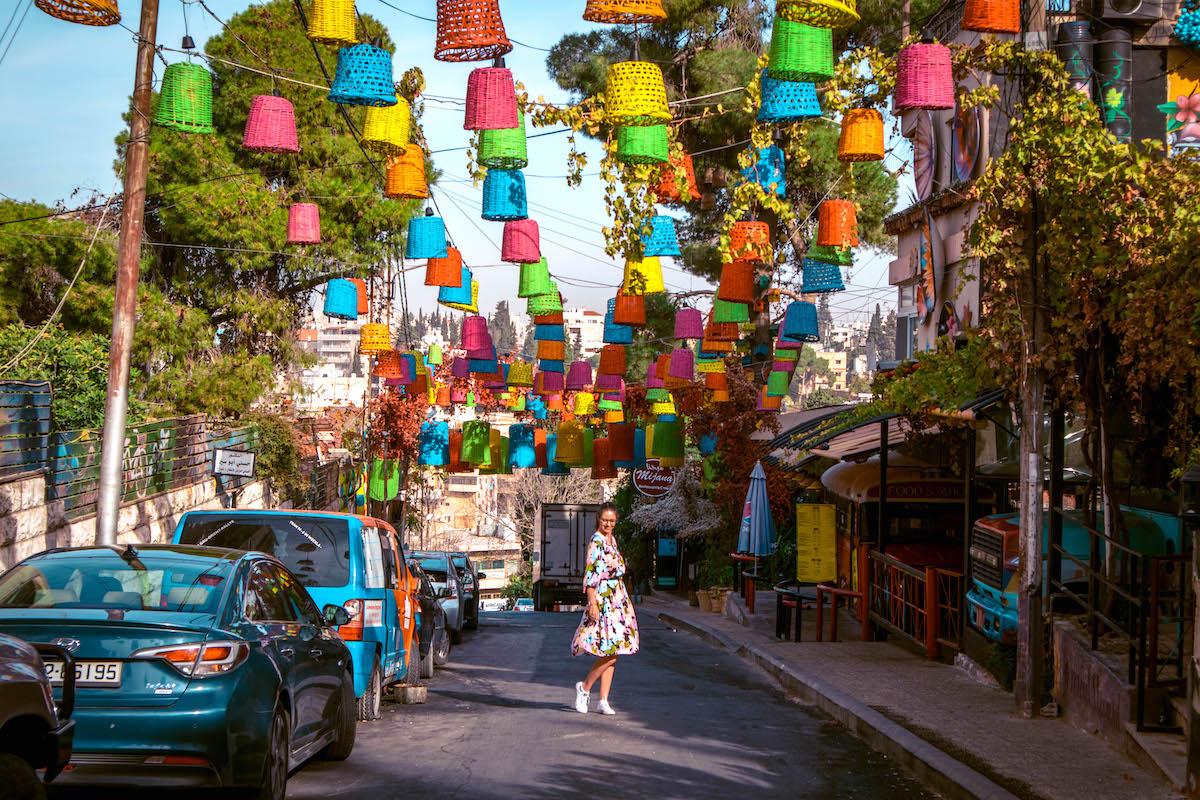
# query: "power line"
(16, 30)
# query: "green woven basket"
(777, 384)
(800, 52)
(549, 303)
(828, 254)
(724, 311)
(642, 145)
(505, 148)
(535, 280)
(657, 395)
(185, 102)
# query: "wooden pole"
(133, 212)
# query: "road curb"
(935, 768)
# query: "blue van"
(348, 560)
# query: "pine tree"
(504, 333)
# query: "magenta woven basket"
(271, 126)
(924, 77)
(304, 224)
(522, 242)
(491, 100)
(689, 324)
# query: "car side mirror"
(481, 576)
(336, 616)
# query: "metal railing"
(921, 604)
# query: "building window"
(906, 337)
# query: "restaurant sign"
(653, 480)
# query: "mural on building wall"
(929, 268)
(966, 143)
(1183, 113)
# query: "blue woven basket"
(457, 294)
(614, 333)
(341, 299)
(522, 452)
(707, 444)
(821, 277)
(768, 170)
(434, 444)
(536, 406)
(800, 323)
(787, 101)
(549, 333)
(487, 366)
(364, 77)
(504, 195)
(426, 238)
(548, 365)
(554, 467)
(662, 239)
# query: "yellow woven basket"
(374, 338)
(862, 136)
(332, 22)
(819, 13)
(636, 94)
(387, 129)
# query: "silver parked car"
(448, 586)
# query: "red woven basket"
(630, 309)
(751, 241)
(491, 100)
(992, 16)
(612, 360)
(470, 30)
(837, 224)
(737, 282)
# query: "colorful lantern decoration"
(446, 271)
(341, 299)
(629, 309)
(837, 224)
(821, 277)
(374, 338)
(924, 77)
(614, 333)
(504, 195)
(689, 324)
(535, 279)
(98, 13)
(624, 12)
(406, 176)
(992, 16)
(636, 94)
(751, 241)
(522, 243)
(504, 148)
(304, 224)
(737, 282)
(662, 239)
(426, 237)
(643, 276)
(769, 171)
(520, 374)
(823, 13)
(668, 190)
(612, 360)
(491, 100)
(788, 101)
(388, 129)
(548, 303)
(434, 356)
(862, 136)
(185, 99)
(800, 323)
(363, 77)
(471, 307)
(800, 52)
(460, 294)
(271, 126)
(642, 144)
(470, 30)
(332, 22)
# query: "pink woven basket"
(924, 77)
(522, 242)
(271, 126)
(491, 100)
(304, 224)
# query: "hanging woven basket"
(304, 224)
(341, 299)
(624, 12)
(271, 126)
(470, 30)
(842, 256)
(426, 238)
(98, 13)
(992, 16)
(613, 332)
(769, 171)
(374, 338)
(504, 196)
(751, 241)
(446, 271)
(406, 176)
(636, 94)
(548, 303)
(629, 309)
(549, 318)
(363, 77)
(837, 224)
(727, 312)
(737, 282)
(788, 101)
(505, 148)
(579, 376)
(689, 324)
(185, 99)
(491, 100)
(642, 144)
(862, 136)
(550, 349)
(389, 365)
(332, 22)
(643, 276)
(364, 300)
(520, 374)
(800, 52)
(924, 77)
(522, 242)
(800, 323)
(387, 129)
(820, 277)
(457, 293)
(612, 360)
(535, 279)
(553, 333)
(822, 13)
(662, 239)
(680, 169)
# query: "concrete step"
(1167, 751)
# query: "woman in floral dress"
(609, 627)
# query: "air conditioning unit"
(1141, 12)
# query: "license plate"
(87, 673)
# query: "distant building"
(838, 367)
(588, 325)
(335, 344)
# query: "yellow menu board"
(816, 543)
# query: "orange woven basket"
(470, 30)
(445, 271)
(862, 136)
(84, 12)
(751, 241)
(624, 12)
(551, 350)
(630, 309)
(555, 318)
(406, 176)
(716, 380)
(612, 360)
(737, 282)
(837, 224)
(668, 184)
(388, 365)
(992, 16)
(720, 332)
(364, 299)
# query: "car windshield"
(315, 549)
(98, 579)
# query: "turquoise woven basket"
(788, 101)
(662, 239)
(504, 197)
(341, 299)
(769, 171)
(426, 238)
(800, 323)
(364, 77)
(820, 277)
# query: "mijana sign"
(653, 480)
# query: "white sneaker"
(605, 709)
(581, 698)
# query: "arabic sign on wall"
(653, 480)
(234, 463)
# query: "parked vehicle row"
(251, 644)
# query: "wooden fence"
(24, 426)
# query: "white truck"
(560, 541)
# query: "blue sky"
(69, 85)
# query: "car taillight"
(199, 659)
(352, 631)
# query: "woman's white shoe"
(581, 698)
(605, 709)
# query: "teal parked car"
(194, 666)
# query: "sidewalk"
(956, 734)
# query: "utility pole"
(133, 212)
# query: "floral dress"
(616, 632)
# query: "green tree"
(504, 332)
